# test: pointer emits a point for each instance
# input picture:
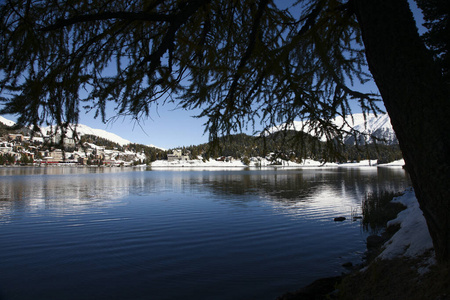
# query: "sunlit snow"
(413, 238)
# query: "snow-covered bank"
(406, 267)
(235, 163)
(397, 163)
(413, 238)
(264, 163)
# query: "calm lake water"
(79, 233)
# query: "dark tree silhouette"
(240, 62)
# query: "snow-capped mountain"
(81, 130)
(86, 130)
(377, 126)
(153, 146)
(374, 126)
(7, 122)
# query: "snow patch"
(7, 122)
(86, 130)
(259, 163)
(397, 163)
(153, 146)
(413, 238)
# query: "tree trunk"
(418, 103)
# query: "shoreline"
(233, 165)
(264, 164)
(403, 252)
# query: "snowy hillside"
(81, 130)
(153, 146)
(378, 126)
(86, 130)
(6, 121)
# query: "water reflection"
(59, 187)
(63, 190)
(97, 233)
(292, 186)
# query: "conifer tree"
(240, 62)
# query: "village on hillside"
(25, 150)
(92, 147)
(20, 149)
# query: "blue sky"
(167, 128)
(170, 127)
(173, 127)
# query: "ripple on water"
(169, 234)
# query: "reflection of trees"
(280, 185)
(65, 190)
(294, 186)
(15, 171)
(70, 190)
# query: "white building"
(177, 155)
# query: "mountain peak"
(7, 122)
(378, 126)
(86, 130)
(81, 130)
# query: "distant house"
(110, 155)
(67, 142)
(6, 147)
(82, 160)
(99, 153)
(37, 140)
(177, 155)
(225, 158)
(16, 137)
(54, 156)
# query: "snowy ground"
(262, 162)
(413, 238)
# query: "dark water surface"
(73, 233)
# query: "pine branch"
(247, 54)
(169, 38)
(121, 15)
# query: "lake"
(112, 233)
